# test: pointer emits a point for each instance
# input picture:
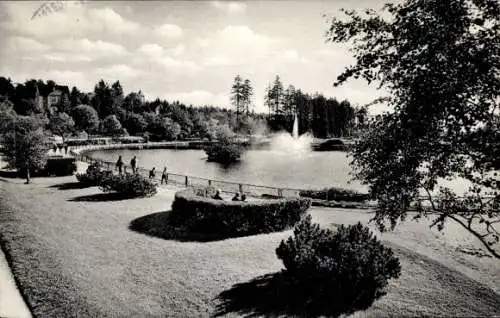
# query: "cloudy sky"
(185, 50)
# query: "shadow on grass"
(100, 197)
(273, 295)
(70, 186)
(157, 225)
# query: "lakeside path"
(74, 255)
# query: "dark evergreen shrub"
(337, 271)
(234, 218)
(60, 166)
(129, 185)
(335, 194)
(93, 176)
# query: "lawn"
(73, 254)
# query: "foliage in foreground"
(200, 214)
(24, 144)
(339, 271)
(440, 61)
(129, 185)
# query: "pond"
(277, 168)
(261, 167)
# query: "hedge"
(200, 214)
(60, 166)
(335, 194)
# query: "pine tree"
(247, 95)
(237, 96)
(277, 94)
(289, 101)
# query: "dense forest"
(108, 111)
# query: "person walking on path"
(133, 163)
(152, 173)
(66, 149)
(164, 175)
(119, 165)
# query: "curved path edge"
(12, 303)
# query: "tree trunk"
(27, 175)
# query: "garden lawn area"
(73, 254)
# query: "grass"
(74, 257)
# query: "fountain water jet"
(295, 131)
(286, 143)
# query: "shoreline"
(80, 154)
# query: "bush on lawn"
(129, 185)
(93, 176)
(60, 166)
(200, 214)
(337, 271)
(335, 194)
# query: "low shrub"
(330, 145)
(93, 176)
(335, 194)
(337, 271)
(200, 214)
(129, 185)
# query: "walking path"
(11, 303)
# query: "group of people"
(60, 146)
(237, 196)
(133, 165)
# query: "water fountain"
(295, 143)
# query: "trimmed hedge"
(200, 214)
(338, 271)
(60, 166)
(335, 194)
(129, 185)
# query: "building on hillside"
(57, 98)
(39, 100)
(141, 97)
(53, 101)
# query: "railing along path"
(193, 181)
(182, 179)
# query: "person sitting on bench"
(217, 195)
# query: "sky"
(182, 50)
